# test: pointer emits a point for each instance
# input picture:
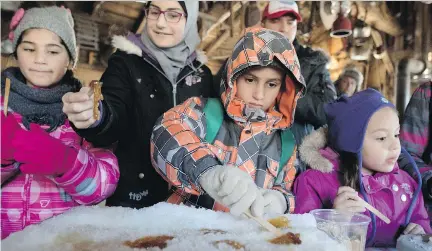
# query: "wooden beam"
(211, 18)
(377, 38)
(222, 39)
(110, 18)
(135, 5)
(121, 9)
(378, 17)
(231, 19)
(222, 19)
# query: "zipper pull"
(174, 92)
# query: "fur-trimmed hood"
(311, 151)
(130, 46)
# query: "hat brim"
(283, 13)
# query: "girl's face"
(166, 29)
(381, 145)
(42, 58)
(260, 87)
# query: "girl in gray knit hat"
(148, 74)
(46, 168)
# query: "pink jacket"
(30, 199)
(391, 193)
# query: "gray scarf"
(41, 106)
(174, 59)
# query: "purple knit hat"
(348, 118)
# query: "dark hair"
(349, 175)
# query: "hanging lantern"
(341, 27)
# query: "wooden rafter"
(223, 18)
(379, 17)
(377, 38)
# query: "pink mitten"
(9, 127)
(42, 154)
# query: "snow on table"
(107, 228)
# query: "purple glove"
(42, 154)
(9, 127)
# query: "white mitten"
(272, 202)
(231, 187)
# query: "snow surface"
(106, 228)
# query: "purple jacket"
(391, 193)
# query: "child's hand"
(230, 186)
(347, 199)
(40, 153)
(413, 228)
(272, 201)
(9, 126)
(78, 107)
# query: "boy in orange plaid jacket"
(240, 170)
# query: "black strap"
(428, 150)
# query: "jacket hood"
(312, 151)
(263, 47)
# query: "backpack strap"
(428, 149)
(214, 117)
(288, 145)
(214, 112)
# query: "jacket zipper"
(27, 199)
(174, 92)
(174, 86)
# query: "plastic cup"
(349, 229)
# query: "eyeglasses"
(170, 15)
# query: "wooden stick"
(265, 224)
(376, 212)
(6, 96)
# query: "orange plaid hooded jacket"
(249, 140)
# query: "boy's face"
(381, 145)
(285, 24)
(259, 87)
(348, 86)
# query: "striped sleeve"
(415, 130)
(94, 176)
(179, 153)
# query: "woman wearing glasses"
(147, 75)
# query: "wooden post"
(231, 19)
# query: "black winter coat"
(136, 93)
